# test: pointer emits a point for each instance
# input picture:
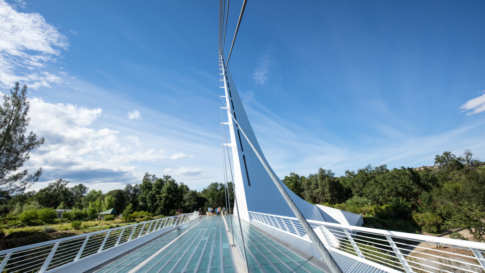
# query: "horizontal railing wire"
(397, 250)
(45, 256)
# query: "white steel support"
(399, 255)
(141, 231)
(287, 229)
(119, 238)
(296, 230)
(80, 252)
(479, 256)
(132, 231)
(149, 227)
(5, 261)
(44, 267)
(104, 242)
(325, 235)
(354, 245)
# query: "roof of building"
(110, 211)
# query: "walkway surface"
(203, 246)
(267, 255)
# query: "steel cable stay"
(306, 226)
(235, 33)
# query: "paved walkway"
(203, 246)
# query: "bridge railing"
(400, 251)
(45, 256)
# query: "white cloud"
(27, 43)
(134, 115)
(179, 156)
(21, 3)
(262, 70)
(185, 172)
(133, 139)
(477, 105)
(74, 150)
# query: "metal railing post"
(119, 238)
(399, 255)
(5, 261)
(354, 245)
(104, 242)
(296, 230)
(80, 252)
(133, 231)
(325, 235)
(148, 230)
(479, 256)
(286, 226)
(142, 229)
(44, 267)
(277, 223)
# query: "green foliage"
(15, 143)
(46, 215)
(76, 225)
(357, 201)
(128, 211)
(28, 216)
(48, 229)
(109, 202)
(109, 217)
(470, 216)
(294, 183)
(457, 235)
(430, 222)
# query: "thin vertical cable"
(235, 34)
(225, 28)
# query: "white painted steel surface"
(396, 251)
(47, 256)
(255, 190)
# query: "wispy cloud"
(27, 44)
(476, 105)
(134, 115)
(261, 73)
(186, 172)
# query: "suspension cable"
(235, 34)
(225, 28)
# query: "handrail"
(42, 257)
(397, 251)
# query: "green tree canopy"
(15, 144)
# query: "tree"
(168, 198)
(92, 196)
(15, 144)
(132, 193)
(145, 189)
(470, 216)
(78, 192)
(109, 202)
(293, 182)
(55, 193)
(448, 161)
(119, 199)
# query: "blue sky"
(120, 88)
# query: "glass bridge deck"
(203, 246)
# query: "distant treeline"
(157, 196)
(448, 197)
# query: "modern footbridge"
(271, 230)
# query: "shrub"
(28, 216)
(85, 225)
(68, 215)
(109, 217)
(430, 222)
(357, 201)
(48, 229)
(46, 215)
(457, 235)
(76, 224)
